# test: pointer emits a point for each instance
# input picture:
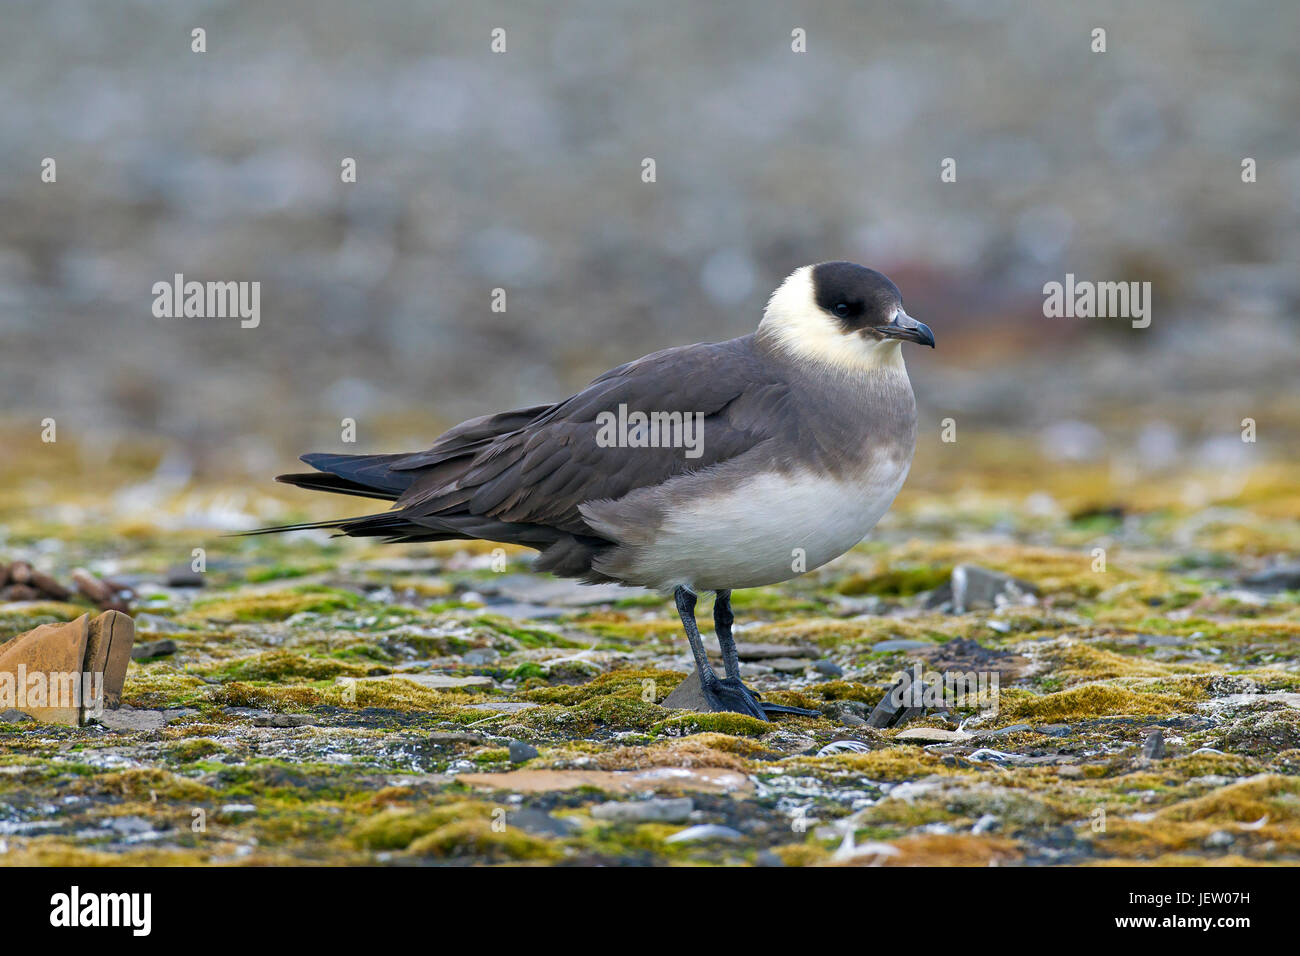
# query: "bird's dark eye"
(842, 308)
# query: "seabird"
(808, 430)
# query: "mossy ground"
(344, 636)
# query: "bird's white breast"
(768, 528)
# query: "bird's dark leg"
(725, 693)
(729, 694)
(722, 621)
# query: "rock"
(1220, 838)
(431, 681)
(986, 824)
(1055, 730)
(787, 665)
(768, 858)
(86, 646)
(1279, 577)
(127, 719)
(892, 710)
(655, 810)
(454, 739)
(976, 587)
(480, 656)
(1007, 731)
(1288, 698)
(50, 587)
(852, 720)
(143, 652)
(283, 720)
(1154, 746)
(687, 695)
(705, 831)
(900, 645)
(541, 822)
(183, 576)
(503, 706)
(828, 668)
(521, 752)
(932, 735)
(13, 716)
(91, 586)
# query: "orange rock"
(64, 673)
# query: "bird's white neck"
(794, 326)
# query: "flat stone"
(1055, 730)
(283, 720)
(932, 735)
(13, 716)
(655, 779)
(655, 810)
(541, 822)
(480, 656)
(702, 832)
(828, 668)
(142, 652)
(431, 681)
(787, 665)
(901, 645)
(127, 719)
(1289, 698)
(454, 739)
(504, 706)
(1007, 731)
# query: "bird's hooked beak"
(906, 328)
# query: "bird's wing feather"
(540, 471)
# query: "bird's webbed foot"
(729, 694)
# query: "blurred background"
(523, 171)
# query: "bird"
(784, 448)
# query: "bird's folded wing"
(554, 458)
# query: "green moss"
(478, 840)
(188, 751)
(735, 725)
(1093, 700)
(896, 582)
(272, 605)
(526, 636)
(281, 665)
(628, 682)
